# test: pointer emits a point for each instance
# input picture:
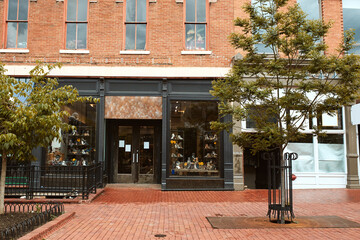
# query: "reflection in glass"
(146, 156)
(201, 11)
(82, 10)
(22, 37)
(130, 36)
(71, 35)
(194, 147)
(311, 8)
(12, 10)
(71, 10)
(190, 36)
(140, 36)
(200, 36)
(130, 10)
(11, 35)
(305, 150)
(331, 153)
(81, 36)
(77, 146)
(124, 156)
(351, 18)
(141, 11)
(190, 10)
(23, 9)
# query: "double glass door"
(136, 154)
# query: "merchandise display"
(77, 147)
(204, 164)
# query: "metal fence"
(44, 212)
(53, 181)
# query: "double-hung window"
(135, 24)
(196, 24)
(351, 13)
(76, 24)
(311, 8)
(17, 23)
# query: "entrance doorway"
(135, 156)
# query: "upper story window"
(196, 24)
(76, 24)
(261, 47)
(135, 24)
(351, 13)
(311, 8)
(17, 23)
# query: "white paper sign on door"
(146, 145)
(127, 148)
(121, 143)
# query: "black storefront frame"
(193, 90)
(173, 89)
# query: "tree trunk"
(282, 186)
(2, 183)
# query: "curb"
(53, 200)
(46, 229)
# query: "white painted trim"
(115, 71)
(119, 1)
(130, 52)
(196, 52)
(212, 1)
(179, 1)
(74, 51)
(93, 1)
(14, 50)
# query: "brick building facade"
(151, 63)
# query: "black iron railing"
(53, 181)
(43, 212)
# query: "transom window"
(17, 23)
(195, 24)
(76, 24)
(135, 24)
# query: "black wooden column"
(101, 124)
(165, 133)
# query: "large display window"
(77, 146)
(194, 147)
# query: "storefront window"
(194, 147)
(77, 147)
(331, 153)
(305, 150)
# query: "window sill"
(14, 50)
(75, 51)
(135, 52)
(196, 52)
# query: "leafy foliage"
(25, 125)
(295, 82)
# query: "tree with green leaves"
(293, 81)
(31, 115)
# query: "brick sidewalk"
(144, 213)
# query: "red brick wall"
(165, 34)
(105, 35)
(332, 11)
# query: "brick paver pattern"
(136, 213)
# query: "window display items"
(77, 147)
(194, 148)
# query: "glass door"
(136, 154)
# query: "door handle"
(133, 157)
(137, 157)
